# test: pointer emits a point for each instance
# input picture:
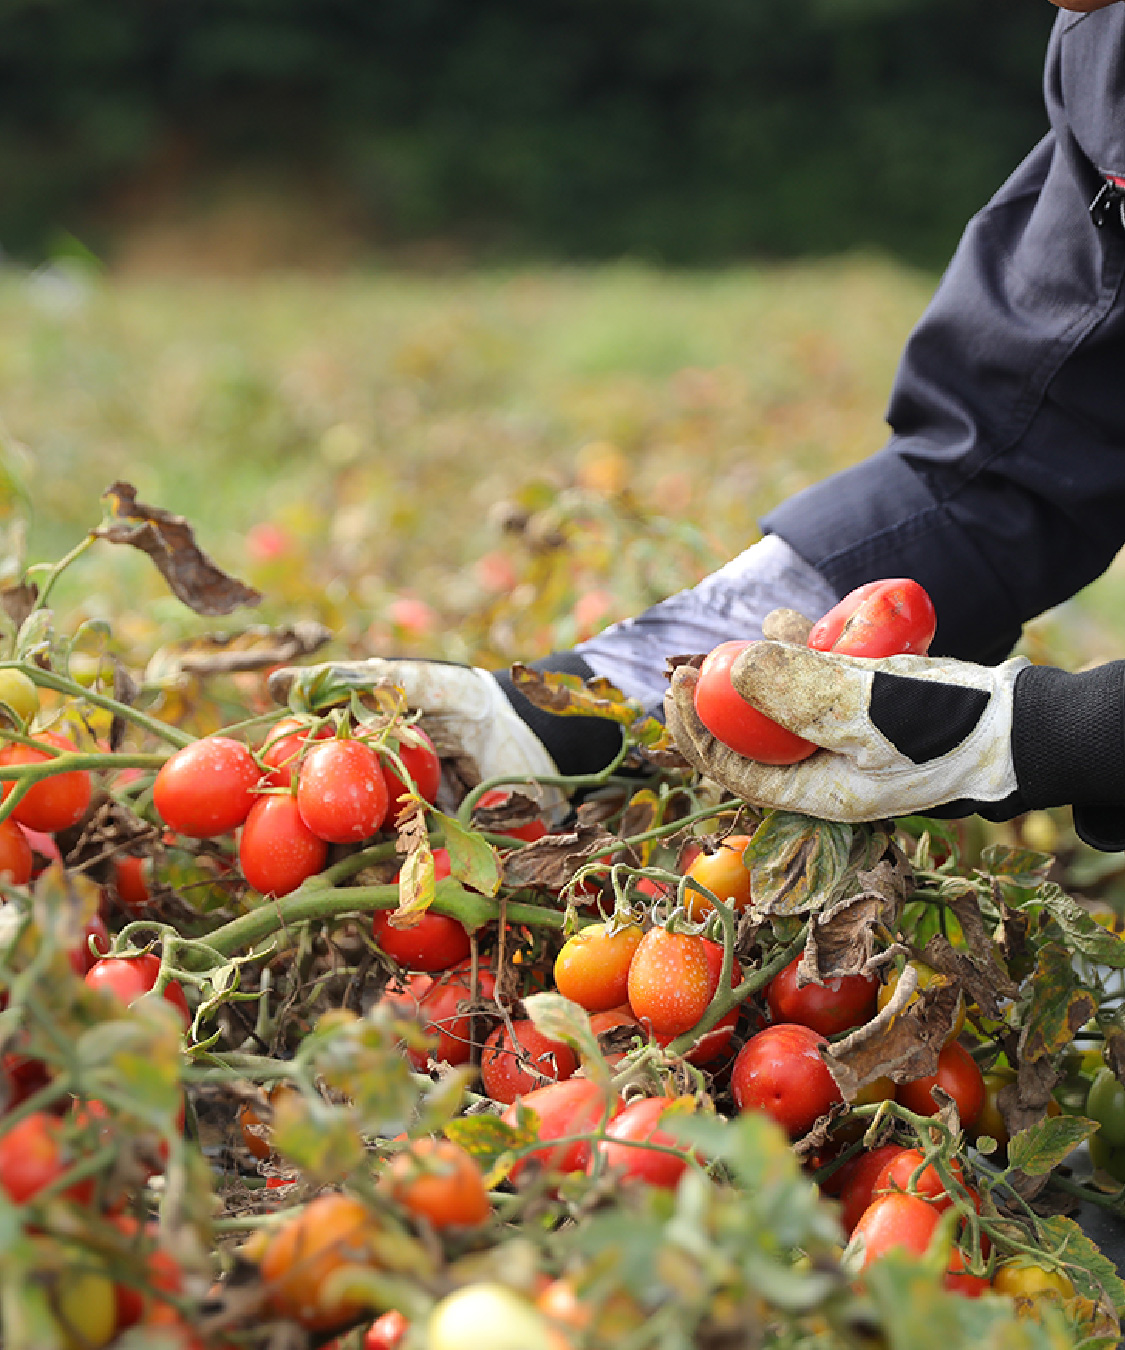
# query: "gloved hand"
(465, 702)
(908, 734)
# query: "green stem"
(58, 568)
(49, 680)
(1111, 1202)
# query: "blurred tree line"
(678, 132)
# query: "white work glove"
(463, 705)
(908, 734)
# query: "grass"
(351, 444)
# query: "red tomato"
(882, 618)
(857, 1180)
(23, 1077)
(161, 1271)
(81, 958)
(128, 978)
(55, 803)
(329, 1233)
(442, 1016)
(573, 1107)
(284, 746)
(727, 715)
(715, 1042)
(510, 1070)
(958, 1074)
(897, 1171)
(277, 850)
(130, 881)
(896, 1220)
(639, 1122)
(592, 969)
(423, 765)
(437, 1180)
(669, 981)
(341, 791)
(837, 1005)
(32, 1157)
(958, 1280)
(16, 858)
(386, 1332)
(207, 788)
(435, 942)
(780, 1071)
(532, 830)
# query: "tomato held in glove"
(883, 618)
(728, 717)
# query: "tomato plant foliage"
(311, 1082)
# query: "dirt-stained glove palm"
(909, 734)
(465, 703)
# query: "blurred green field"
(481, 465)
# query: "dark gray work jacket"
(1002, 488)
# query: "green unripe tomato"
(19, 693)
(1106, 1158)
(1105, 1103)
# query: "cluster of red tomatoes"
(883, 618)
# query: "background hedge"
(678, 132)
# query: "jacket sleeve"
(1002, 487)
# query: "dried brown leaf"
(170, 543)
(842, 940)
(19, 601)
(551, 862)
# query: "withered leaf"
(796, 862)
(515, 810)
(901, 1042)
(19, 601)
(842, 939)
(1059, 1005)
(255, 648)
(125, 690)
(571, 696)
(169, 542)
(985, 981)
(820, 1132)
(551, 862)
(110, 831)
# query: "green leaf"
(472, 859)
(1088, 1267)
(1082, 932)
(796, 862)
(318, 1138)
(1042, 1146)
(1023, 867)
(1059, 1004)
(491, 1140)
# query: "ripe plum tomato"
(896, 1173)
(857, 1180)
(82, 958)
(341, 791)
(386, 1332)
(714, 1043)
(16, 858)
(669, 981)
(958, 1279)
(896, 1220)
(437, 1180)
(881, 618)
(516, 1063)
(207, 788)
(130, 881)
(160, 1271)
(421, 762)
(284, 746)
(529, 831)
(958, 1074)
(837, 1005)
(573, 1107)
(54, 803)
(592, 969)
(128, 978)
(727, 715)
(780, 1071)
(33, 1157)
(331, 1232)
(276, 849)
(724, 874)
(435, 942)
(639, 1123)
(442, 1015)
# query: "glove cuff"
(1068, 736)
(578, 745)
